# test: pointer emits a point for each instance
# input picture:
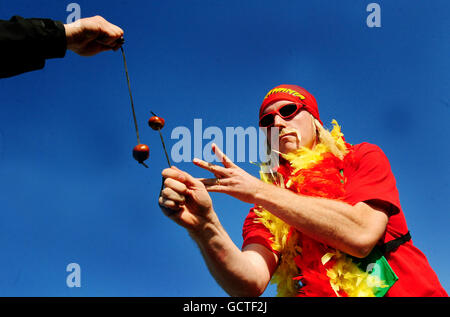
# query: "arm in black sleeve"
(25, 44)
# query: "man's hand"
(185, 200)
(90, 36)
(230, 179)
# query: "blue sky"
(70, 190)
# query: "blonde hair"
(332, 140)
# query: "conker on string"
(141, 152)
(156, 123)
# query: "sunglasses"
(286, 112)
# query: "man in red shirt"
(313, 224)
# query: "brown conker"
(141, 152)
(156, 123)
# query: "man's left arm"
(353, 229)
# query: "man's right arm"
(186, 201)
(240, 273)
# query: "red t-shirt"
(369, 177)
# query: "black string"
(164, 146)
(131, 97)
(162, 141)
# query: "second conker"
(156, 123)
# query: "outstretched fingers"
(219, 171)
(219, 185)
(222, 157)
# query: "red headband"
(292, 93)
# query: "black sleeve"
(25, 44)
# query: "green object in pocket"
(376, 264)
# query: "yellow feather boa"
(345, 277)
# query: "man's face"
(294, 132)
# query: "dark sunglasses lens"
(266, 121)
(288, 110)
